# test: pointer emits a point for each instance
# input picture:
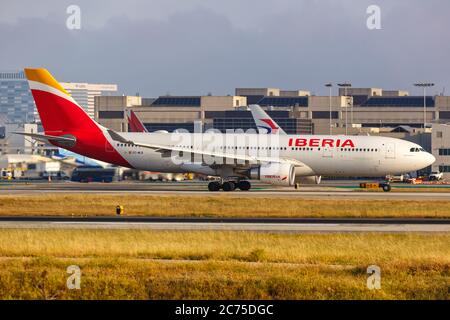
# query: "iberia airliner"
(235, 158)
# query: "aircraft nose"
(430, 159)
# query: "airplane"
(235, 158)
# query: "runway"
(325, 191)
(288, 225)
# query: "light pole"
(330, 85)
(346, 85)
(424, 85)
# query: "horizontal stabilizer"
(64, 140)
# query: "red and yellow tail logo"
(58, 111)
(41, 78)
(62, 115)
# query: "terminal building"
(84, 93)
(360, 111)
(165, 112)
(16, 102)
(440, 142)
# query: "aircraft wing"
(242, 157)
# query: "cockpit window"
(416, 149)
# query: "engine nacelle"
(279, 174)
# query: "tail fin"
(134, 124)
(66, 124)
(264, 122)
(58, 111)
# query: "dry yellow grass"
(94, 204)
(143, 264)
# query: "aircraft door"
(327, 152)
(389, 150)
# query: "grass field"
(223, 205)
(138, 264)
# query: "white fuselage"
(324, 155)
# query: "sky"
(195, 47)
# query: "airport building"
(358, 112)
(165, 112)
(13, 143)
(16, 102)
(440, 142)
(110, 111)
(85, 93)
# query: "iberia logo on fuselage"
(317, 142)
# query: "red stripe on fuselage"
(60, 116)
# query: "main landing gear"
(243, 185)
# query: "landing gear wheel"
(228, 186)
(244, 185)
(214, 186)
(386, 187)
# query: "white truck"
(435, 176)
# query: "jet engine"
(280, 174)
